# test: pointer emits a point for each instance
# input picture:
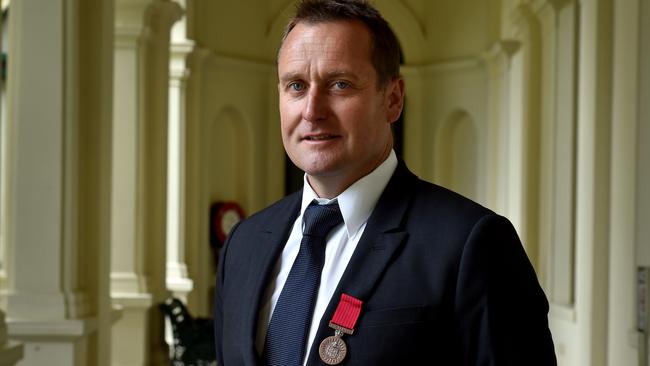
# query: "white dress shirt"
(356, 204)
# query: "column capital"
(536, 5)
(161, 15)
(132, 17)
(506, 47)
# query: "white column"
(625, 102)
(177, 278)
(642, 198)
(522, 203)
(592, 181)
(56, 180)
(195, 212)
(415, 147)
(10, 351)
(497, 61)
(139, 177)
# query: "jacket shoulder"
(437, 212)
(439, 199)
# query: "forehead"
(336, 42)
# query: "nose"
(315, 108)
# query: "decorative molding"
(125, 301)
(178, 61)
(181, 48)
(77, 304)
(563, 312)
(506, 47)
(177, 283)
(197, 58)
(128, 282)
(34, 330)
(537, 5)
(450, 65)
(127, 37)
(37, 305)
(200, 57)
(161, 15)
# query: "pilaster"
(625, 192)
(593, 180)
(139, 176)
(523, 130)
(497, 60)
(10, 352)
(178, 281)
(57, 159)
(414, 119)
(194, 214)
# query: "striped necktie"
(286, 336)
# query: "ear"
(394, 99)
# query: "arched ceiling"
(430, 30)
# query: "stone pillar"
(523, 131)
(625, 104)
(593, 180)
(178, 281)
(497, 61)
(415, 146)
(56, 180)
(142, 32)
(10, 351)
(195, 213)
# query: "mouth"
(320, 137)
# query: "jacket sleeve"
(500, 309)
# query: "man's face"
(335, 120)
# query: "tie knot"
(320, 219)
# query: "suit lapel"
(383, 235)
(271, 239)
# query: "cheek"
(289, 118)
(286, 124)
(286, 131)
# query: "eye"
(341, 84)
(296, 86)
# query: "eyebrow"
(330, 75)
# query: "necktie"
(286, 336)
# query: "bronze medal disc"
(332, 350)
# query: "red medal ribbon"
(347, 313)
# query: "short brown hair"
(385, 48)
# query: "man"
(368, 265)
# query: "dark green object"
(193, 337)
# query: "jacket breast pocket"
(393, 336)
(393, 316)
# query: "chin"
(320, 170)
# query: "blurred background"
(134, 133)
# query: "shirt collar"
(358, 200)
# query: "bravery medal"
(333, 349)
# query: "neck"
(330, 186)
(327, 188)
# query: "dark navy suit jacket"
(444, 281)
